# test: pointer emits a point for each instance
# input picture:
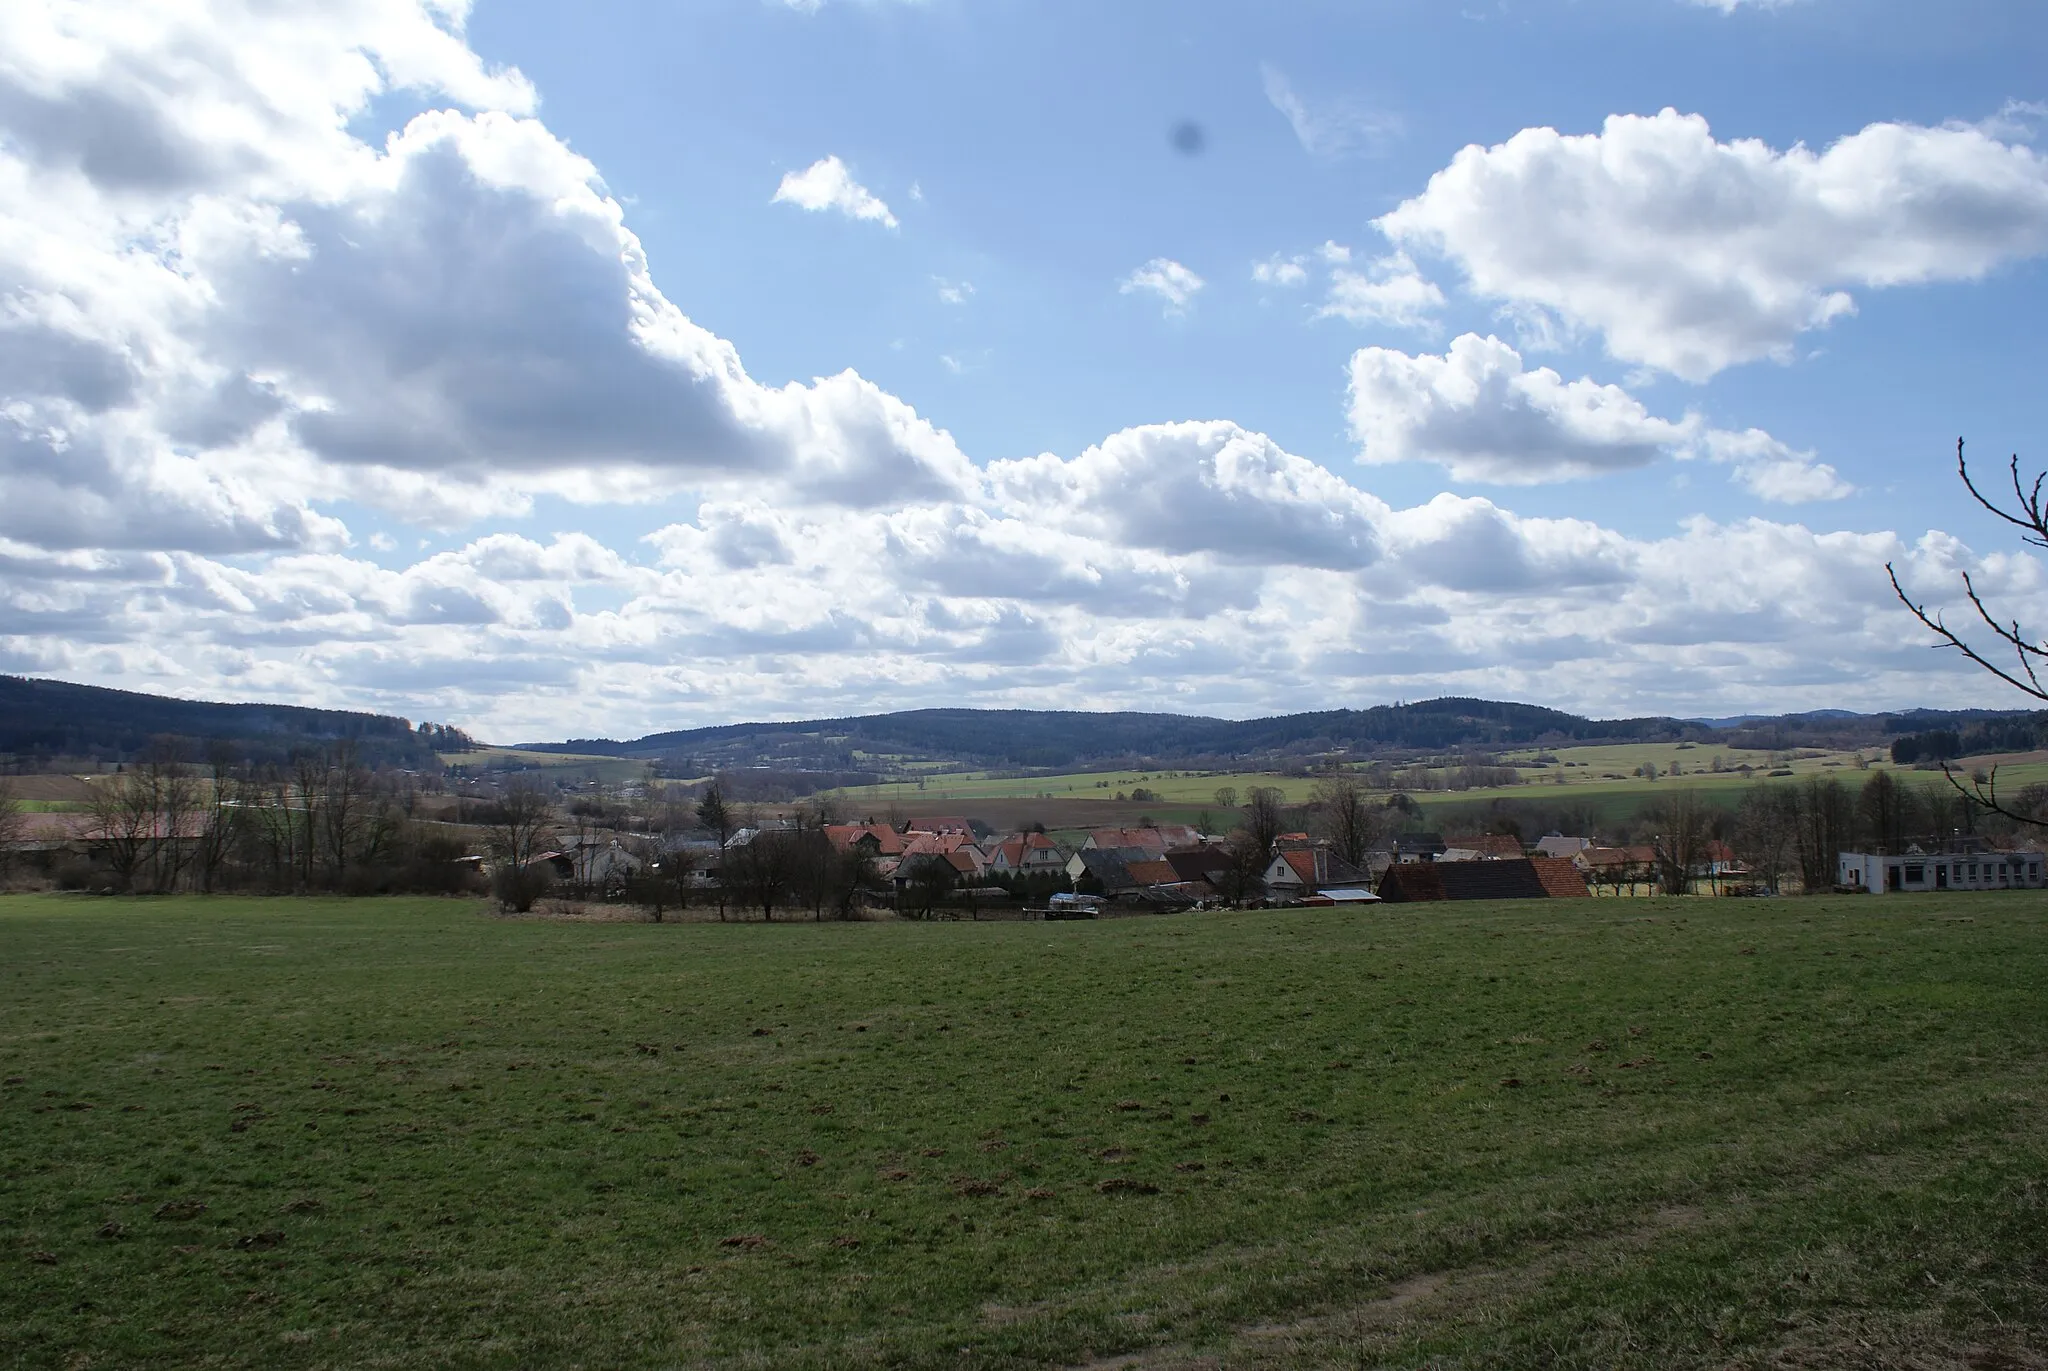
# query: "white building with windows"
(1916, 871)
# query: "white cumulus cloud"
(1693, 255)
(237, 311)
(1166, 279)
(1388, 291)
(1479, 412)
(827, 184)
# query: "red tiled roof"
(1617, 856)
(1561, 880)
(947, 824)
(1152, 873)
(1500, 879)
(843, 836)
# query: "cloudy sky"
(591, 369)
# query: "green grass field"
(580, 765)
(1602, 778)
(1634, 1134)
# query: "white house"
(1916, 870)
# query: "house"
(1160, 838)
(877, 840)
(1027, 854)
(1915, 870)
(1304, 871)
(1525, 878)
(1155, 871)
(1418, 847)
(1209, 864)
(1618, 866)
(1557, 845)
(1106, 868)
(947, 824)
(592, 866)
(1485, 848)
(950, 844)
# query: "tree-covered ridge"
(1059, 738)
(57, 719)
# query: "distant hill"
(1037, 739)
(1034, 740)
(42, 719)
(55, 719)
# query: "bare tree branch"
(2029, 514)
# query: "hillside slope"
(51, 719)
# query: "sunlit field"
(409, 1133)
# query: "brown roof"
(1561, 880)
(947, 824)
(1152, 873)
(888, 842)
(1198, 863)
(1617, 856)
(1493, 844)
(1512, 879)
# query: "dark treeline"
(44, 720)
(1055, 738)
(321, 820)
(1976, 740)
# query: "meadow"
(1599, 781)
(410, 1133)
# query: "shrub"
(518, 887)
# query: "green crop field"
(594, 767)
(1600, 780)
(1598, 1134)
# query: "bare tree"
(2010, 653)
(521, 831)
(1766, 824)
(1882, 807)
(1244, 878)
(1348, 821)
(762, 871)
(140, 819)
(221, 813)
(932, 878)
(1262, 816)
(12, 822)
(1827, 820)
(1681, 840)
(855, 876)
(1226, 797)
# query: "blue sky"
(615, 367)
(1039, 137)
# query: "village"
(951, 866)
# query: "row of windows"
(1968, 871)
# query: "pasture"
(1612, 1134)
(1586, 772)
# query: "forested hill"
(50, 720)
(1050, 738)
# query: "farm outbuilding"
(1530, 878)
(1915, 870)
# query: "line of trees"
(1799, 829)
(323, 820)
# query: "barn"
(1529, 878)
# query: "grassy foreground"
(1591, 1134)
